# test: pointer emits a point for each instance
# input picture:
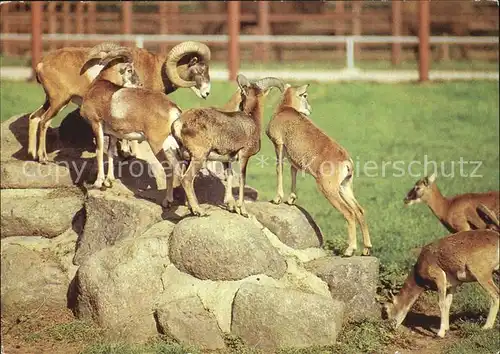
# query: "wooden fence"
(289, 17)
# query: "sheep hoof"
(441, 333)
(291, 199)
(367, 251)
(166, 204)
(276, 200)
(242, 211)
(349, 252)
(108, 183)
(199, 212)
(230, 206)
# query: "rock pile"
(116, 258)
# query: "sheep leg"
(279, 174)
(99, 152)
(166, 163)
(331, 192)
(486, 282)
(112, 152)
(441, 286)
(293, 196)
(359, 213)
(229, 198)
(187, 182)
(44, 125)
(34, 120)
(240, 205)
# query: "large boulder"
(187, 321)
(223, 246)
(66, 171)
(117, 287)
(15, 138)
(39, 212)
(113, 215)
(270, 318)
(352, 280)
(293, 225)
(31, 280)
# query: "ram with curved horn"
(214, 134)
(66, 75)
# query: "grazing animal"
(121, 108)
(214, 134)
(457, 213)
(66, 75)
(466, 256)
(310, 149)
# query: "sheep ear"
(193, 61)
(302, 89)
(431, 178)
(242, 81)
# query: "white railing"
(349, 41)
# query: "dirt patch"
(45, 331)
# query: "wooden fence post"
(396, 31)
(423, 36)
(126, 20)
(264, 29)
(67, 20)
(356, 25)
(91, 17)
(52, 17)
(36, 35)
(5, 27)
(340, 24)
(233, 20)
(163, 12)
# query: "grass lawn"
(336, 64)
(390, 132)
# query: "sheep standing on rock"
(117, 105)
(214, 134)
(311, 150)
(66, 75)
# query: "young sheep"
(116, 105)
(467, 256)
(457, 213)
(212, 134)
(309, 149)
(67, 73)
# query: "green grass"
(335, 64)
(442, 122)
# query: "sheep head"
(187, 66)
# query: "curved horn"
(242, 81)
(267, 82)
(123, 53)
(177, 53)
(101, 49)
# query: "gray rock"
(31, 280)
(293, 225)
(223, 246)
(15, 138)
(117, 287)
(187, 321)
(66, 172)
(39, 212)
(161, 229)
(270, 318)
(352, 280)
(113, 215)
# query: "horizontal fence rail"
(349, 41)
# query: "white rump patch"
(170, 143)
(119, 104)
(93, 71)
